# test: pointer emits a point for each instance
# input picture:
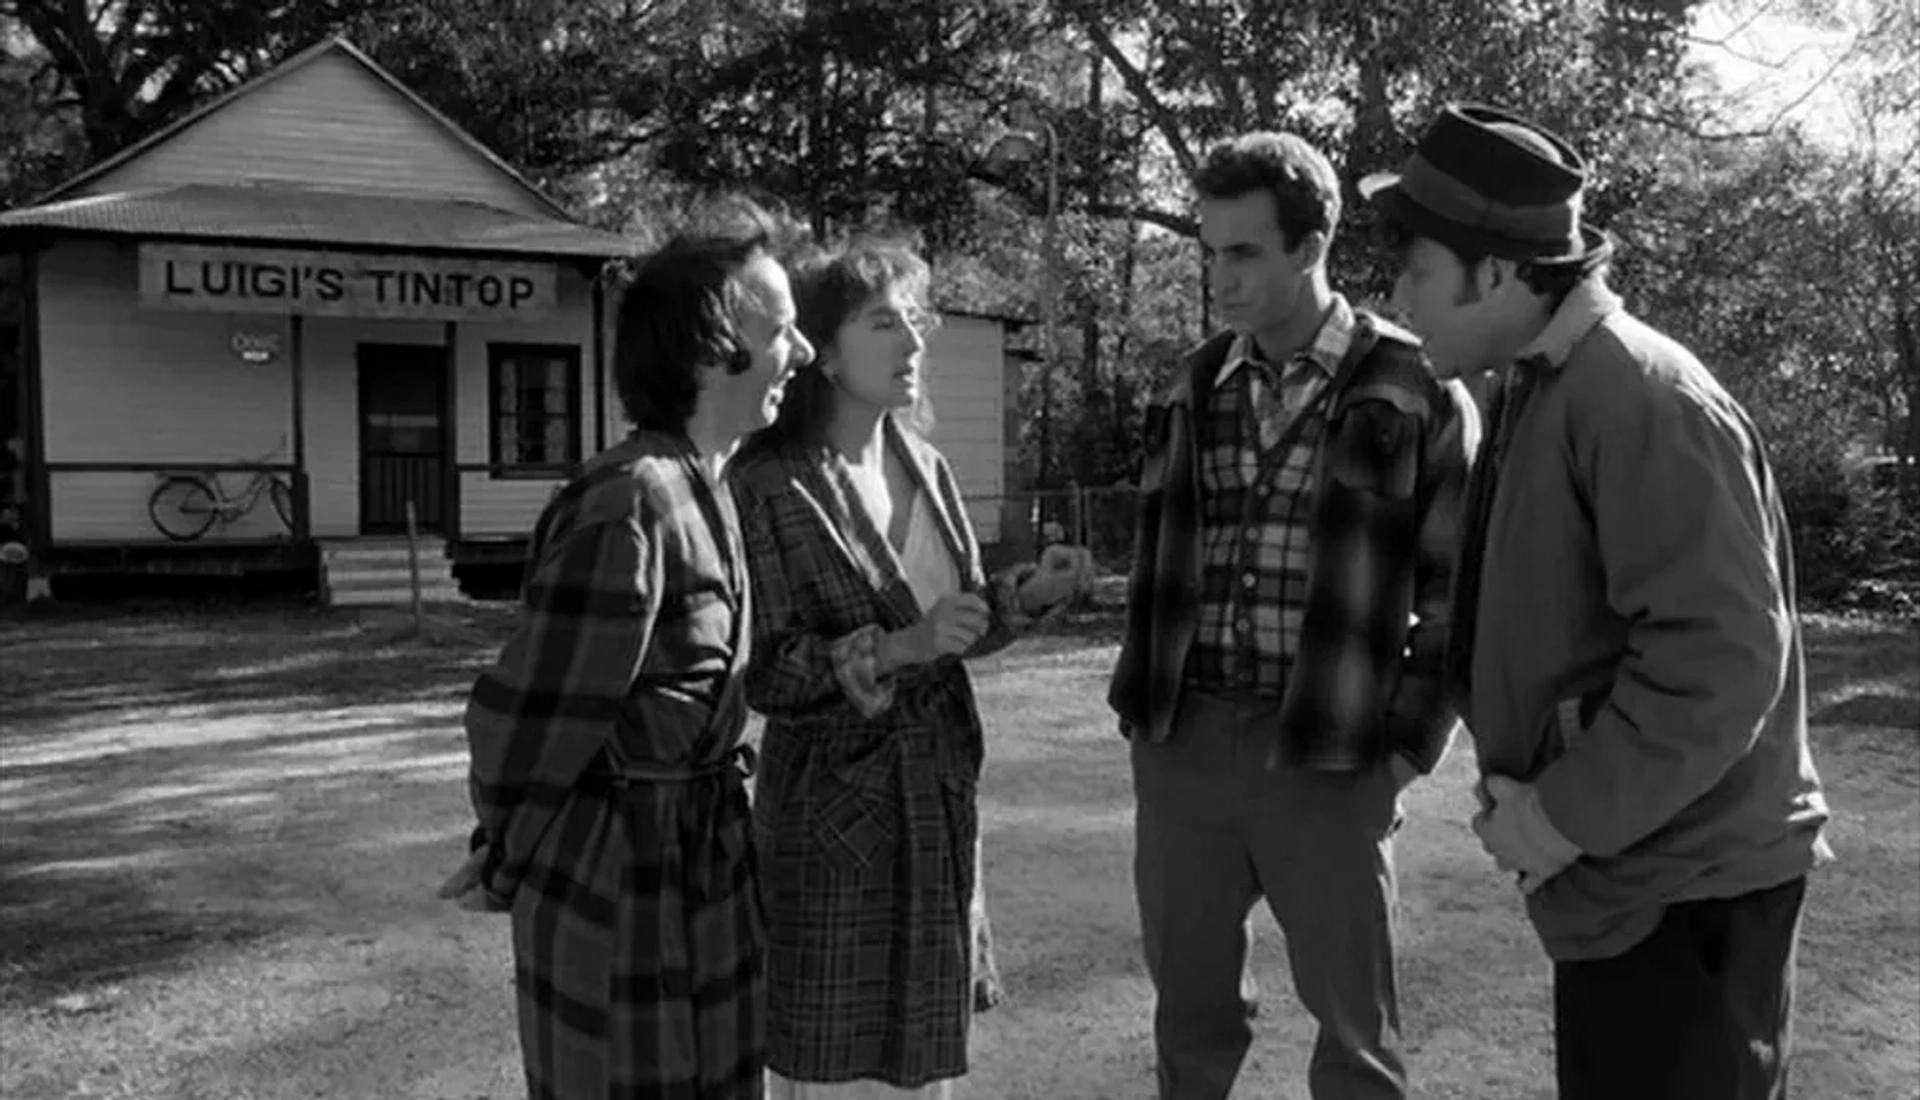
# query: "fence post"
(413, 562)
(302, 522)
(1071, 536)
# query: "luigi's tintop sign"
(338, 284)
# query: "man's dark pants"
(1214, 832)
(1700, 1010)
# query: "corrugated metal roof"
(299, 216)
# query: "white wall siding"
(965, 361)
(124, 384)
(505, 508)
(499, 507)
(331, 124)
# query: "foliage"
(557, 87)
(125, 68)
(39, 143)
(1792, 266)
(859, 112)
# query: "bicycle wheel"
(182, 508)
(282, 498)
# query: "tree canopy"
(1789, 259)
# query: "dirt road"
(221, 837)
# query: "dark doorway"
(403, 437)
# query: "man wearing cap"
(1625, 648)
(1281, 674)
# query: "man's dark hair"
(681, 312)
(1555, 281)
(1552, 281)
(1305, 190)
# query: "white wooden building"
(320, 280)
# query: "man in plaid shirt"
(1281, 674)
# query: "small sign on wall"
(337, 284)
(255, 347)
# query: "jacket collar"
(1326, 350)
(1590, 303)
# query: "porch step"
(373, 572)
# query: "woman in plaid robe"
(607, 765)
(868, 592)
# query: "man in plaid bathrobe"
(1280, 674)
(607, 764)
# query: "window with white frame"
(536, 424)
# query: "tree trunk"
(816, 151)
(1906, 340)
(1371, 143)
(1092, 404)
(1089, 458)
(930, 115)
(1205, 296)
(1129, 271)
(928, 100)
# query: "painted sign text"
(324, 284)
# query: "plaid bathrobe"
(607, 776)
(864, 809)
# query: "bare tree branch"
(1691, 129)
(1089, 17)
(1746, 24)
(1854, 47)
(1179, 224)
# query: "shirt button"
(1264, 490)
(1242, 625)
(1249, 580)
(1253, 534)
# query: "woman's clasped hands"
(948, 629)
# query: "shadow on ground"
(253, 807)
(67, 669)
(175, 852)
(154, 770)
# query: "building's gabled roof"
(279, 72)
(308, 218)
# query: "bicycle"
(186, 505)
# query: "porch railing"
(298, 484)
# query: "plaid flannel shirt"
(1259, 443)
(1385, 517)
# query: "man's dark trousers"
(1214, 832)
(1699, 1010)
